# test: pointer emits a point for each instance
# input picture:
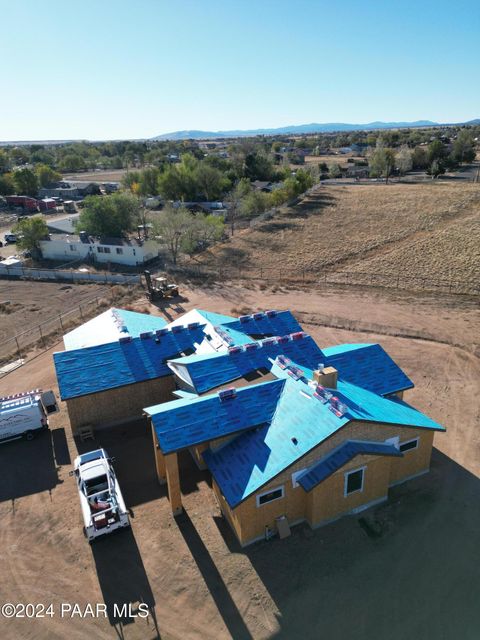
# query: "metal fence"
(67, 275)
(350, 278)
(44, 335)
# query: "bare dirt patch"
(403, 556)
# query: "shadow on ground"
(405, 569)
(32, 467)
(124, 583)
(132, 447)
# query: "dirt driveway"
(406, 569)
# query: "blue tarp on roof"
(254, 458)
(369, 366)
(259, 324)
(184, 423)
(212, 370)
(340, 456)
(106, 366)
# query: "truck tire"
(29, 435)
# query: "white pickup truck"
(23, 415)
(101, 500)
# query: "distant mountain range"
(328, 127)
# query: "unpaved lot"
(407, 569)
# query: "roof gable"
(184, 423)
(368, 366)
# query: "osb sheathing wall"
(251, 520)
(119, 405)
(328, 501)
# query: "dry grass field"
(405, 569)
(109, 175)
(428, 230)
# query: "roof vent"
(295, 441)
(283, 339)
(298, 335)
(269, 342)
(251, 346)
(258, 316)
(233, 350)
(337, 407)
(193, 325)
(123, 339)
(244, 319)
(322, 394)
(145, 335)
(161, 332)
(227, 394)
(282, 361)
(271, 314)
(295, 372)
(177, 328)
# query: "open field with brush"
(423, 231)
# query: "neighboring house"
(130, 252)
(64, 225)
(71, 190)
(289, 432)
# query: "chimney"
(326, 376)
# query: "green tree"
(254, 203)
(172, 227)
(203, 231)
(4, 161)
(149, 181)
(436, 168)
(334, 170)
(436, 151)
(419, 159)
(7, 185)
(26, 182)
(46, 175)
(72, 162)
(210, 181)
(30, 231)
(382, 161)
(464, 147)
(112, 216)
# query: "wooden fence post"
(18, 348)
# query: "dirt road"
(406, 569)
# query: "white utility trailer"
(25, 414)
(101, 500)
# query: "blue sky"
(102, 69)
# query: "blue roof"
(256, 457)
(260, 324)
(212, 370)
(184, 423)
(340, 456)
(368, 366)
(106, 366)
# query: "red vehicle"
(27, 203)
(47, 204)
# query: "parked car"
(10, 238)
(101, 501)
